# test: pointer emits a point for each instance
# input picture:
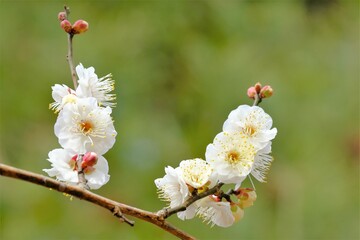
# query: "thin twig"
(257, 100)
(118, 209)
(167, 212)
(69, 57)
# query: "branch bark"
(117, 209)
(167, 212)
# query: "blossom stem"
(167, 212)
(69, 56)
(76, 191)
(257, 100)
(82, 181)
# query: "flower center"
(233, 157)
(249, 130)
(70, 98)
(86, 127)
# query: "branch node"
(117, 213)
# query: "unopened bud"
(246, 196)
(251, 92)
(266, 92)
(66, 25)
(258, 87)
(80, 26)
(62, 16)
(88, 170)
(237, 212)
(89, 160)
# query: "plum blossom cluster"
(84, 128)
(242, 149)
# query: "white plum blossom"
(253, 122)
(193, 175)
(262, 163)
(64, 169)
(62, 166)
(232, 156)
(62, 95)
(172, 188)
(215, 212)
(196, 172)
(85, 127)
(91, 86)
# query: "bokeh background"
(180, 68)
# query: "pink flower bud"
(88, 170)
(251, 92)
(62, 16)
(266, 92)
(66, 25)
(80, 26)
(258, 87)
(89, 160)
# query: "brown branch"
(118, 209)
(167, 212)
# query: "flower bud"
(237, 212)
(80, 26)
(251, 92)
(257, 87)
(88, 170)
(266, 92)
(66, 25)
(246, 196)
(62, 16)
(89, 160)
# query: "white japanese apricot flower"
(214, 212)
(91, 86)
(262, 163)
(85, 127)
(172, 188)
(232, 156)
(253, 122)
(193, 175)
(62, 95)
(64, 169)
(196, 172)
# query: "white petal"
(100, 176)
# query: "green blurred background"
(180, 68)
